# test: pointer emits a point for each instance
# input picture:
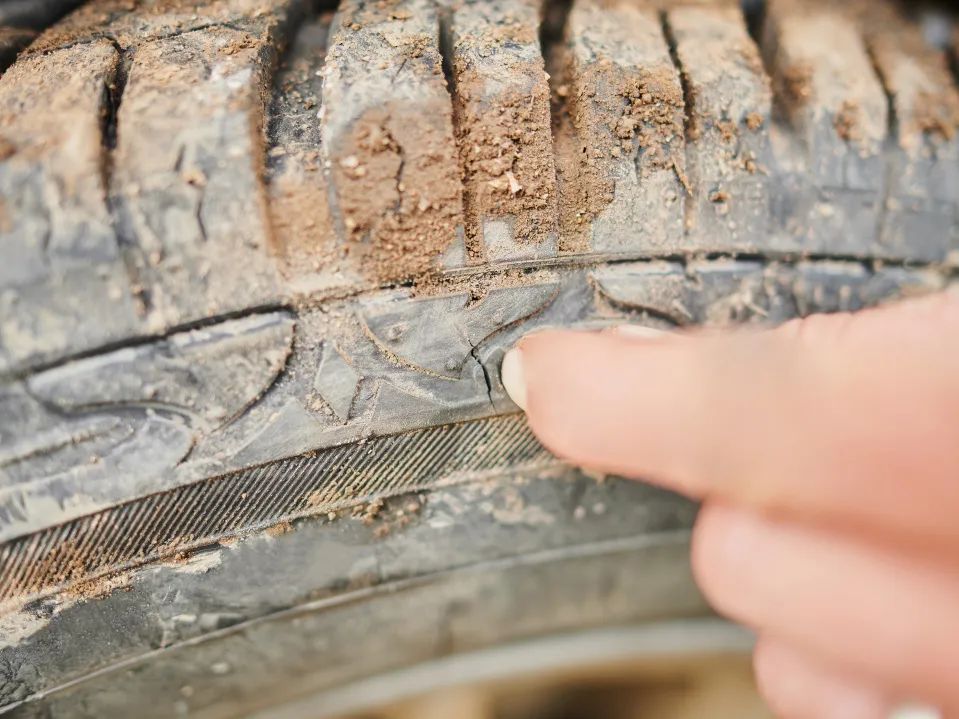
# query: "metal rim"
(535, 658)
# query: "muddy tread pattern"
(169, 233)
(663, 145)
(215, 295)
(371, 366)
(172, 201)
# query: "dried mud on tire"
(261, 262)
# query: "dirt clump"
(652, 117)
(396, 519)
(581, 199)
(279, 529)
(754, 121)
(847, 122)
(368, 512)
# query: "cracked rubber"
(261, 262)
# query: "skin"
(826, 453)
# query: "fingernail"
(639, 332)
(511, 374)
(915, 711)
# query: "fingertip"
(796, 685)
(603, 399)
(513, 377)
(723, 538)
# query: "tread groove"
(554, 33)
(755, 13)
(109, 130)
(297, 183)
(892, 135)
(142, 339)
(689, 110)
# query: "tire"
(261, 261)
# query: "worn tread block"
(729, 107)
(923, 174)
(388, 138)
(626, 106)
(502, 116)
(126, 454)
(47, 451)
(187, 175)
(132, 22)
(61, 262)
(827, 88)
(829, 93)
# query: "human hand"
(826, 452)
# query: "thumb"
(853, 417)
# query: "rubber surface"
(261, 261)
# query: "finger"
(853, 417)
(798, 687)
(888, 619)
